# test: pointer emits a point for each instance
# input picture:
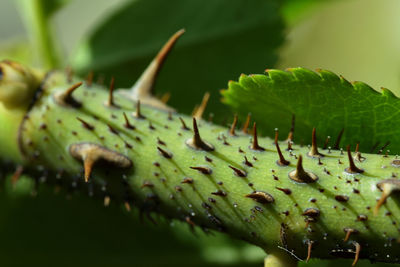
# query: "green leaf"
(322, 100)
(223, 38)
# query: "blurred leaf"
(322, 100)
(52, 6)
(47, 7)
(223, 39)
(37, 16)
(295, 10)
(52, 230)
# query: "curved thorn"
(282, 161)
(65, 98)
(357, 254)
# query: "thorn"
(291, 132)
(127, 124)
(328, 138)
(110, 101)
(300, 175)
(89, 79)
(352, 168)
(164, 153)
(289, 145)
(17, 174)
(247, 162)
(138, 114)
(309, 247)
(246, 124)
(170, 115)
(348, 232)
(184, 127)
(234, 123)
(91, 153)
(337, 143)
(143, 88)
(311, 212)
(287, 191)
(357, 156)
(65, 98)
(387, 186)
(219, 193)
(282, 161)
(238, 172)
(314, 148)
(196, 142)
(198, 114)
(165, 97)
(261, 197)
(187, 180)
(357, 254)
(203, 170)
(112, 130)
(85, 124)
(255, 145)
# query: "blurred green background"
(358, 39)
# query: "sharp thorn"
(255, 145)
(261, 197)
(184, 127)
(110, 101)
(233, 127)
(196, 142)
(246, 124)
(300, 175)
(203, 170)
(309, 248)
(314, 148)
(282, 161)
(91, 153)
(138, 113)
(164, 153)
(127, 124)
(85, 124)
(143, 88)
(387, 186)
(65, 98)
(337, 143)
(357, 254)
(352, 167)
(238, 172)
(291, 132)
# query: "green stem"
(40, 31)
